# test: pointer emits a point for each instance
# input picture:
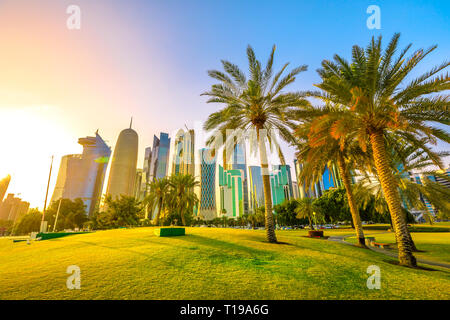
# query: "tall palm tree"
(407, 159)
(257, 104)
(318, 149)
(373, 87)
(158, 191)
(182, 197)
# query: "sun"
(29, 137)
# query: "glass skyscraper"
(146, 170)
(279, 184)
(82, 175)
(329, 179)
(207, 170)
(183, 153)
(239, 162)
(231, 193)
(256, 188)
(159, 156)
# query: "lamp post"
(314, 215)
(57, 214)
(46, 195)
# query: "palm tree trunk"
(351, 201)
(311, 226)
(390, 191)
(159, 212)
(270, 229)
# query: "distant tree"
(7, 226)
(181, 199)
(122, 212)
(30, 222)
(72, 214)
(157, 197)
(286, 214)
(306, 208)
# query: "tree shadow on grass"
(221, 245)
(396, 263)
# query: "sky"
(149, 60)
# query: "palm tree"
(255, 105)
(318, 149)
(306, 209)
(182, 197)
(407, 159)
(373, 88)
(158, 191)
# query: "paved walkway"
(341, 239)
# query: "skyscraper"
(4, 183)
(441, 180)
(256, 188)
(288, 176)
(82, 175)
(183, 153)
(279, 184)
(207, 192)
(123, 165)
(146, 169)
(301, 186)
(159, 157)
(329, 179)
(239, 162)
(138, 185)
(295, 189)
(13, 208)
(230, 193)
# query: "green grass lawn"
(207, 263)
(435, 244)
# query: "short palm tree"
(306, 209)
(380, 101)
(255, 105)
(318, 149)
(182, 198)
(158, 191)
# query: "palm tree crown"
(380, 103)
(257, 103)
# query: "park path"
(341, 239)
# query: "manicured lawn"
(435, 244)
(207, 263)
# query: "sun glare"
(30, 136)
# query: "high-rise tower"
(4, 183)
(239, 162)
(183, 153)
(256, 188)
(82, 175)
(122, 174)
(207, 188)
(159, 157)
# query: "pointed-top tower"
(123, 165)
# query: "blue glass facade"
(160, 156)
(256, 186)
(239, 163)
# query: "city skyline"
(53, 88)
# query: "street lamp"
(314, 215)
